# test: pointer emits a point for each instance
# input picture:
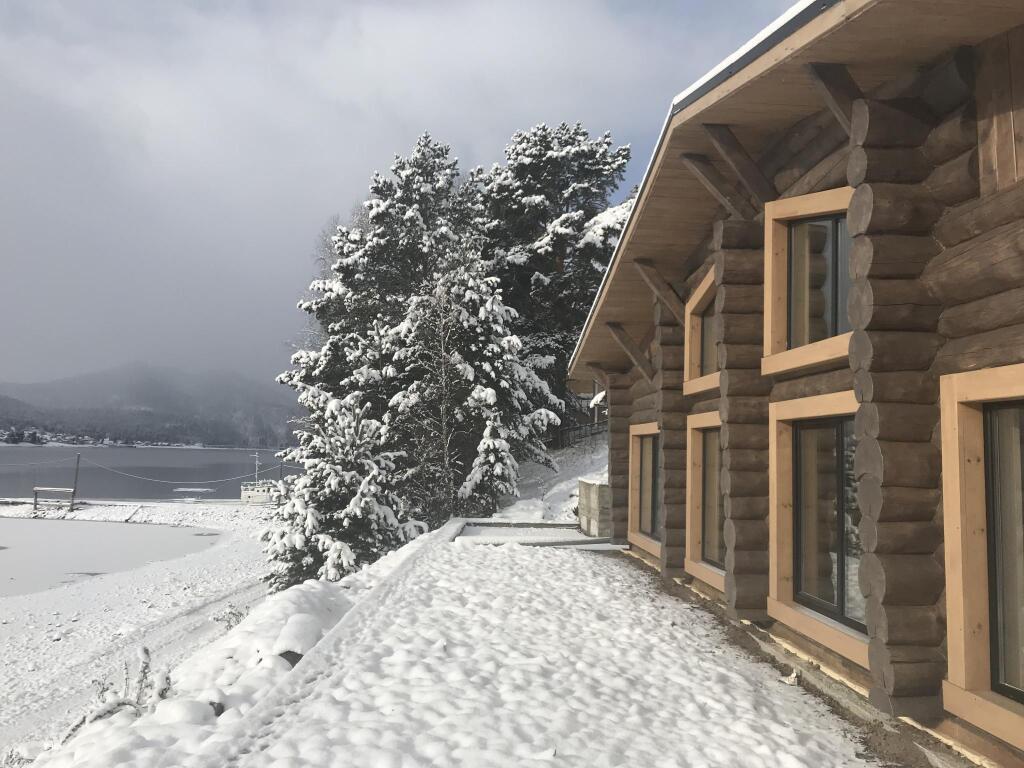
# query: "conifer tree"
(551, 231)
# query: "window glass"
(712, 519)
(819, 279)
(827, 549)
(650, 505)
(708, 350)
(1004, 433)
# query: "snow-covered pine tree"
(469, 405)
(342, 511)
(551, 231)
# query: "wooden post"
(74, 485)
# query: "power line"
(176, 482)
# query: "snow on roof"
(761, 37)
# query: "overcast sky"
(165, 168)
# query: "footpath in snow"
(57, 642)
(452, 653)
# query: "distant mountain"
(152, 403)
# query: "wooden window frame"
(778, 358)
(782, 606)
(694, 563)
(700, 299)
(633, 534)
(967, 690)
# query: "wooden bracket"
(742, 164)
(838, 89)
(719, 187)
(632, 350)
(662, 290)
(600, 374)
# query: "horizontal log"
(728, 234)
(979, 267)
(747, 561)
(745, 459)
(954, 135)
(905, 625)
(985, 314)
(744, 410)
(746, 507)
(900, 538)
(891, 256)
(894, 208)
(746, 356)
(956, 180)
(739, 299)
(895, 123)
(737, 329)
(737, 483)
(828, 173)
(949, 83)
(892, 305)
(906, 580)
(813, 384)
(746, 591)
(896, 504)
(897, 463)
(746, 535)
(977, 217)
(879, 351)
(893, 165)
(708, 404)
(903, 422)
(733, 382)
(744, 267)
(1003, 346)
(896, 386)
(907, 670)
(744, 436)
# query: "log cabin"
(811, 337)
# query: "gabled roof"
(761, 91)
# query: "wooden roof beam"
(838, 89)
(632, 350)
(662, 290)
(719, 187)
(742, 164)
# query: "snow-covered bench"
(46, 489)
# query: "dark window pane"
(852, 549)
(818, 512)
(712, 519)
(650, 502)
(819, 279)
(843, 245)
(708, 350)
(1004, 428)
(826, 521)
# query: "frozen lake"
(36, 555)
(173, 473)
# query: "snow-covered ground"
(55, 643)
(546, 494)
(456, 654)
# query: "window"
(645, 513)
(806, 281)
(700, 365)
(814, 548)
(826, 537)
(649, 511)
(1004, 488)
(819, 279)
(712, 519)
(708, 350)
(982, 420)
(705, 507)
